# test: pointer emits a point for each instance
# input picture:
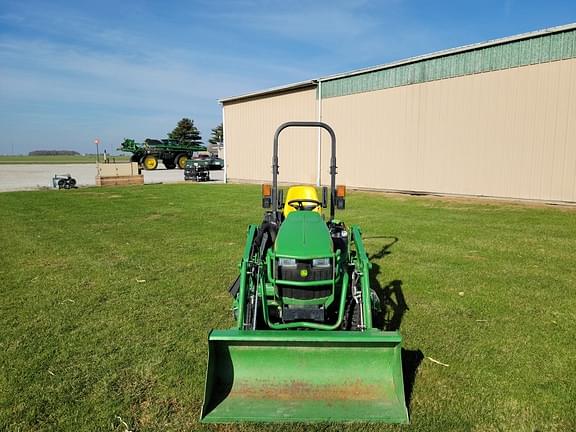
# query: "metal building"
(494, 119)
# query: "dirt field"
(25, 177)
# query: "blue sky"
(71, 71)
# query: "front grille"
(304, 271)
(304, 293)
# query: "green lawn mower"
(304, 348)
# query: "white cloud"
(57, 83)
(73, 71)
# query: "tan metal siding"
(508, 133)
(249, 132)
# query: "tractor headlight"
(321, 262)
(287, 262)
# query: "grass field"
(107, 296)
(63, 159)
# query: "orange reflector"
(341, 191)
(266, 190)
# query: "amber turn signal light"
(266, 196)
(266, 190)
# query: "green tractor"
(304, 348)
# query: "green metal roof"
(542, 48)
(556, 43)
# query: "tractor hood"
(303, 234)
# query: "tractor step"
(304, 376)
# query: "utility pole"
(97, 142)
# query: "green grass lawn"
(107, 296)
(61, 159)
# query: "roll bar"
(275, 165)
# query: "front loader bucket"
(304, 376)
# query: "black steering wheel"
(298, 204)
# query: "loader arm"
(362, 266)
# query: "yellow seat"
(302, 193)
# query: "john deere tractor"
(304, 347)
(172, 153)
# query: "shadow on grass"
(411, 360)
(393, 306)
(385, 250)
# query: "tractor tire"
(72, 183)
(351, 319)
(61, 183)
(180, 160)
(150, 162)
(169, 164)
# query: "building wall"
(508, 133)
(249, 127)
(505, 133)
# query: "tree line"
(53, 153)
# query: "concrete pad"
(15, 177)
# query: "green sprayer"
(304, 348)
(172, 153)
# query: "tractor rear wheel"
(180, 160)
(169, 164)
(150, 162)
